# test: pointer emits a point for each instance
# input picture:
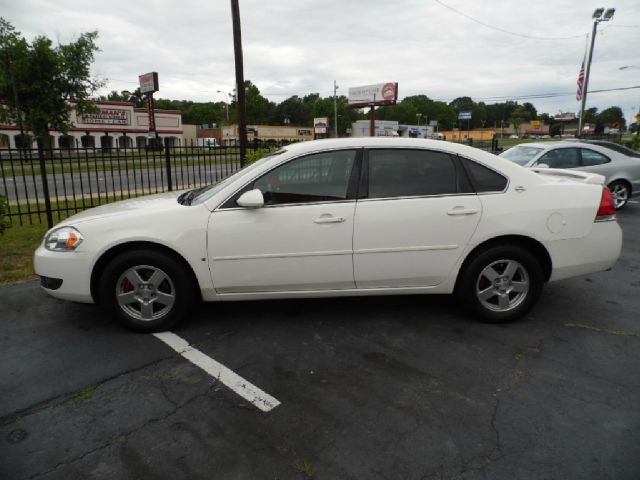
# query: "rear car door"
(417, 214)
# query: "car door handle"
(329, 219)
(462, 211)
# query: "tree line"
(412, 110)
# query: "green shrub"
(3, 211)
(257, 154)
(634, 143)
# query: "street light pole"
(335, 109)
(597, 18)
(226, 102)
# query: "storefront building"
(114, 125)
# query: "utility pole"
(335, 109)
(242, 110)
(597, 18)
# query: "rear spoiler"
(585, 177)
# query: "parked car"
(355, 216)
(211, 142)
(622, 173)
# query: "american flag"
(580, 82)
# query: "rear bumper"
(68, 274)
(596, 252)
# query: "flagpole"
(586, 79)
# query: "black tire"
(155, 303)
(621, 193)
(504, 298)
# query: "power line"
(534, 96)
(499, 29)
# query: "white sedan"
(366, 216)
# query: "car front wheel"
(147, 290)
(500, 284)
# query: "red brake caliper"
(127, 287)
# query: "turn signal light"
(607, 209)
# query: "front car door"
(300, 240)
(418, 214)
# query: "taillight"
(607, 209)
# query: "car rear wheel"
(500, 284)
(148, 291)
(621, 193)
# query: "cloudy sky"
(296, 47)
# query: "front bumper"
(596, 252)
(73, 268)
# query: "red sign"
(107, 116)
(149, 82)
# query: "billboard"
(320, 124)
(107, 116)
(465, 115)
(379, 94)
(149, 82)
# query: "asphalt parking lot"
(377, 388)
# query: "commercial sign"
(379, 94)
(149, 82)
(465, 115)
(107, 116)
(320, 124)
(535, 123)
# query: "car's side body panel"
(282, 248)
(411, 242)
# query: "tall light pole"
(335, 109)
(599, 15)
(226, 102)
(242, 109)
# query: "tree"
(611, 116)
(41, 84)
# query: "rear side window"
(410, 173)
(591, 158)
(484, 179)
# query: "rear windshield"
(521, 154)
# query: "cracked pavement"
(380, 388)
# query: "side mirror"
(251, 199)
(542, 165)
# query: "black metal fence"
(45, 186)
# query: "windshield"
(521, 154)
(208, 192)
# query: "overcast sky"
(293, 47)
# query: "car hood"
(161, 201)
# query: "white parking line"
(235, 382)
(633, 201)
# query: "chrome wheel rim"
(145, 293)
(620, 194)
(502, 285)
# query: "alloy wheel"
(502, 285)
(145, 293)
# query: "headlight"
(64, 239)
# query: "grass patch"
(305, 469)
(86, 394)
(17, 245)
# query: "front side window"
(410, 173)
(319, 177)
(561, 158)
(591, 158)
